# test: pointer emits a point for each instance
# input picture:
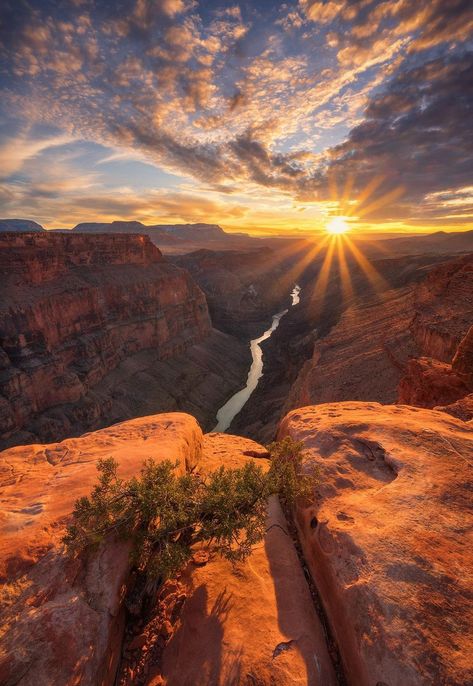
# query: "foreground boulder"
(388, 539)
(62, 619)
(255, 624)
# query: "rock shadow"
(196, 647)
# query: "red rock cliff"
(404, 339)
(386, 538)
(62, 618)
(444, 309)
(72, 308)
(442, 328)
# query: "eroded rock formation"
(441, 326)
(76, 308)
(63, 619)
(397, 345)
(243, 288)
(387, 538)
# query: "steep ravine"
(336, 346)
(95, 329)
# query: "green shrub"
(165, 514)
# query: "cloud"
(18, 149)
(416, 132)
(238, 101)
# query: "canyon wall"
(243, 288)
(397, 345)
(348, 337)
(442, 374)
(73, 308)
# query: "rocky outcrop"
(429, 383)
(62, 618)
(444, 309)
(73, 308)
(386, 538)
(462, 408)
(462, 363)
(362, 357)
(443, 332)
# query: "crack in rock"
(282, 647)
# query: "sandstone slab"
(389, 539)
(62, 619)
(255, 624)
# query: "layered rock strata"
(243, 288)
(73, 308)
(398, 345)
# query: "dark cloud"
(417, 132)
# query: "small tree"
(165, 514)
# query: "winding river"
(233, 406)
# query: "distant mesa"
(20, 225)
(164, 232)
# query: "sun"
(337, 225)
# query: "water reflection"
(232, 407)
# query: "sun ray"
(320, 287)
(381, 201)
(374, 277)
(368, 190)
(345, 278)
(345, 200)
(298, 268)
(333, 187)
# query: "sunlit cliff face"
(262, 116)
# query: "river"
(232, 407)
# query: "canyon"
(367, 344)
(111, 349)
(94, 330)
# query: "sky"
(262, 116)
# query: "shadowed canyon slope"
(366, 343)
(367, 353)
(243, 288)
(88, 321)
